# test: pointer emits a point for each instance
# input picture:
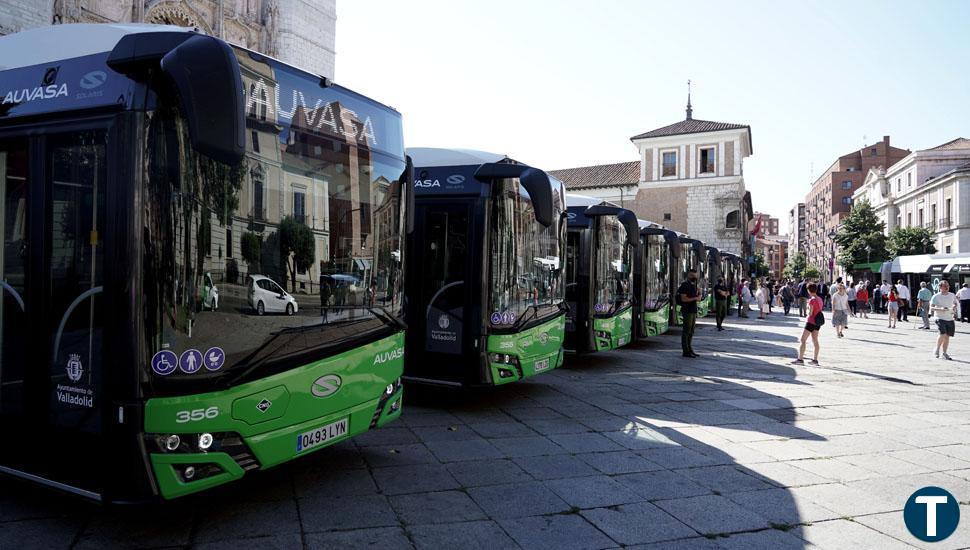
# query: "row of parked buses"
(139, 164)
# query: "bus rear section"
(693, 255)
(653, 280)
(601, 248)
(486, 290)
(148, 215)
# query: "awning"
(362, 264)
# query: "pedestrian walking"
(812, 325)
(876, 299)
(761, 297)
(884, 290)
(862, 299)
(787, 297)
(741, 298)
(840, 309)
(801, 292)
(850, 293)
(923, 298)
(892, 306)
(721, 294)
(903, 291)
(746, 298)
(964, 296)
(943, 304)
(325, 293)
(823, 293)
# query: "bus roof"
(573, 200)
(59, 42)
(430, 157)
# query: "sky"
(559, 84)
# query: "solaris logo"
(931, 514)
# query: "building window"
(873, 152)
(733, 220)
(948, 250)
(707, 161)
(899, 184)
(299, 206)
(909, 219)
(933, 211)
(948, 205)
(667, 217)
(846, 200)
(255, 141)
(669, 164)
(846, 184)
(258, 211)
(229, 242)
(919, 217)
(909, 180)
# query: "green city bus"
(175, 213)
(601, 246)
(653, 279)
(485, 286)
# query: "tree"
(860, 237)
(795, 268)
(296, 247)
(812, 272)
(252, 251)
(904, 241)
(760, 268)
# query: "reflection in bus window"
(657, 285)
(614, 277)
(526, 257)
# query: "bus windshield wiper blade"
(381, 313)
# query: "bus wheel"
(289, 309)
(259, 308)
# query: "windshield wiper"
(381, 313)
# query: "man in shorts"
(944, 304)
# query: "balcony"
(258, 214)
(945, 223)
(931, 225)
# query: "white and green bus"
(174, 214)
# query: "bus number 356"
(196, 414)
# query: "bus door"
(53, 258)
(445, 285)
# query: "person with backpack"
(812, 325)
(687, 298)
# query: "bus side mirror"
(407, 186)
(206, 75)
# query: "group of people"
(844, 300)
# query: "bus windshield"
(655, 273)
(612, 267)
(293, 251)
(526, 258)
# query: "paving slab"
(713, 514)
(556, 532)
(638, 523)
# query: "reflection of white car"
(210, 294)
(267, 296)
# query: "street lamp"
(832, 234)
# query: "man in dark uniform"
(688, 296)
(721, 294)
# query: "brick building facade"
(830, 200)
(298, 32)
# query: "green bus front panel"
(613, 332)
(277, 418)
(656, 322)
(705, 306)
(535, 350)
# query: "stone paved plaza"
(638, 448)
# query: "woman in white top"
(840, 310)
(762, 296)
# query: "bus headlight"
(205, 441)
(169, 442)
(503, 358)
